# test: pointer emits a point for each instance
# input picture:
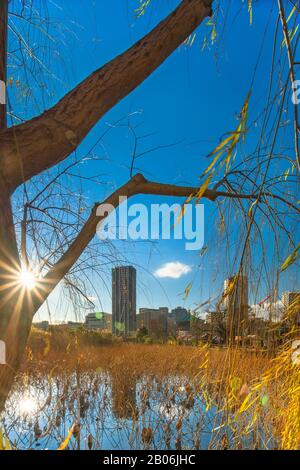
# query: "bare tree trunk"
(41, 143)
(15, 334)
(11, 331)
(16, 306)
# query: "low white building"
(98, 320)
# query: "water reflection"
(123, 396)
(115, 411)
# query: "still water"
(115, 412)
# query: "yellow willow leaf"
(247, 403)
(245, 115)
(190, 40)
(188, 199)
(229, 154)
(241, 129)
(291, 14)
(235, 384)
(221, 145)
(204, 45)
(64, 444)
(291, 35)
(232, 139)
(250, 11)
(203, 188)
(290, 259)
(228, 290)
(193, 39)
(208, 401)
(250, 424)
(293, 308)
(7, 443)
(182, 211)
(187, 41)
(251, 208)
(187, 290)
(286, 174)
(213, 34)
(204, 364)
(180, 215)
(209, 168)
(4, 442)
(2, 447)
(141, 10)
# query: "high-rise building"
(236, 305)
(155, 321)
(123, 300)
(291, 305)
(182, 317)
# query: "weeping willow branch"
(292, 76)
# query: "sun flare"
(27, 406)
(27, 279)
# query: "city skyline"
(237, 298)
(179, 127)
(149, 235)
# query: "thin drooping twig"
(292, 78)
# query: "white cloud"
(174, 270)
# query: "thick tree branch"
(30, 148)
(136, 185)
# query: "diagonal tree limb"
(138, 184)
(34, 146)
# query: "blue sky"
(188, 103)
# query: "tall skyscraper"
(123, 300)
(236, 305)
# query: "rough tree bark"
(30, 148)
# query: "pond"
(112, 412)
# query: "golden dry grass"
(155, 359)
(248, 387)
